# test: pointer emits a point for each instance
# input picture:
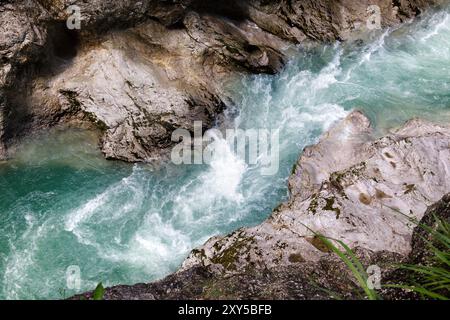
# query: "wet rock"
(140, 85)
(328, 20)
(348, 187)
(421, 254)
(283, 259)
(167, 61)
(21, 38)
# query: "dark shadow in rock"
(61, 48)
(235, 10)
(65, 42)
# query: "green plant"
(352, 262)
(99, 292)
(431, 280)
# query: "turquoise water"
(61, 204)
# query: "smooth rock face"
(137, 70)
(349, 188)
(136, 90)
(141, 84)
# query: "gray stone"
(137, 70)
(347, 187)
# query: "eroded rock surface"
(350, 186)
(346, 187)
(328, 278)
(139, 69)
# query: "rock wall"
(139, 69)
(22, 39)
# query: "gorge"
(133, 74)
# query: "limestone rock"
(21, 37)
(281, 259)
(349, 188)
(140, 85)
(168, 61)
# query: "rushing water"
(61, 204)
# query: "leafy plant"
(99, 292)
(352, 262)
(431, 280)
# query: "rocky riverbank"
(349, 186)
(138, 70)
(329, 278)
